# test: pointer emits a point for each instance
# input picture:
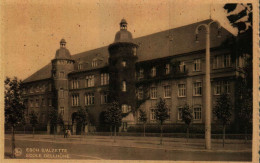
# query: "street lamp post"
(207, 80)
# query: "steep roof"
(158, 45)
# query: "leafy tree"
(242, 46)
(245, 111)
(60, 121)
(82, 118)
(107, 120)
(236, 18)
(187, 117)
(161, 114)
(143, 118)
(222, 111)
(33, 120)
(53, 117)
(14, 106)
(113, 116)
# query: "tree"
(60, 121)
(113, 116)
(222, 110)
(82, 118)
(33, 120)
(14, 106)
(245, 112)
(187, 117)
(161, 114)
(243, 43)
(143, 118)
(53, 117)
(242, 46)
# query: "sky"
(31, 30)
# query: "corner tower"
(62, 64)
(122, 59)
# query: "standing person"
(66, 133)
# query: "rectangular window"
(181, 90)
(140, 93)
(197, 113)
(226, 87)
(125, 108)
(75, 100)
(153, 72)
(89, 99)
(182, 67)
(104, 79)
(222, 87)
(217, 62)
(94, 63)
(61, 93)
(37, 88)
(197, 65)
(62, 75)
(167, 91)
(222, 61)
(62, 110)
(90, 81)
(227, 60)
(104, 98)
(75, 83)
(218, 88)
(241, 61)
(141, 73)
(197, 89)
(167, 69)
(153, 92)
(80, 66)
(37, 103)
(152, 115)
(180, 114)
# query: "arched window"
(124, 86)
(124, 63)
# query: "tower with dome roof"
(122, 59)
(62, 65)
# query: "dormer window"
(153, 72)
(167, 69)
(94, 63)
(182, 67)
(80, 66)
(141, 73)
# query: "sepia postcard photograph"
(129, 80)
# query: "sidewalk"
(179, 144)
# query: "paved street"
(127, 148)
